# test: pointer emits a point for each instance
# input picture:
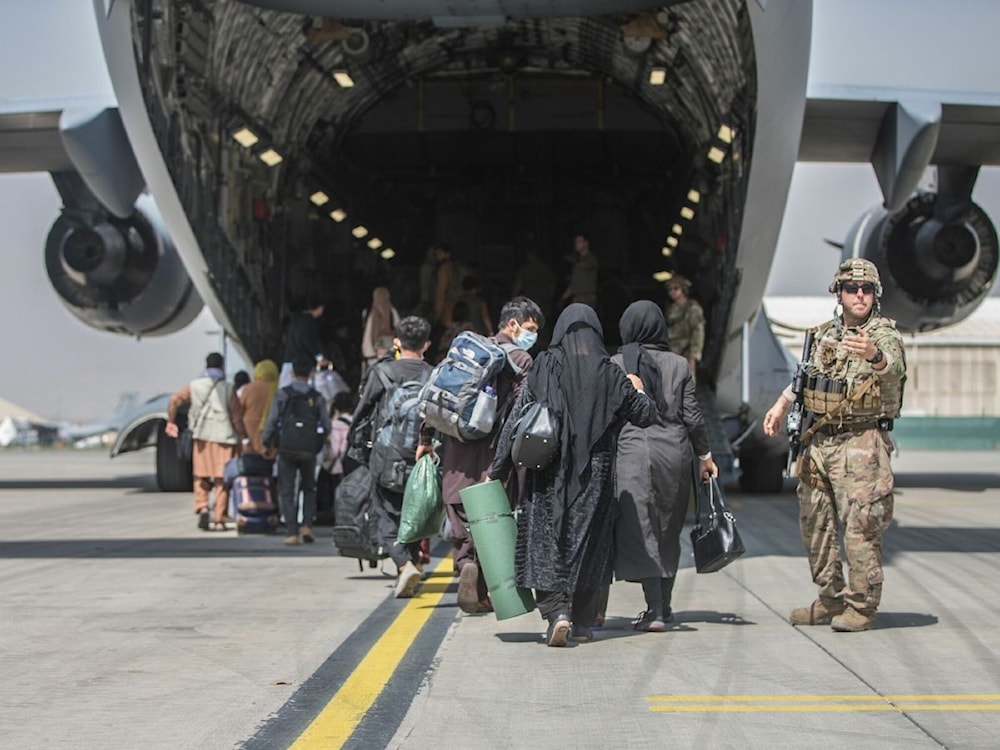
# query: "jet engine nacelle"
(121, 275)
(935, 269)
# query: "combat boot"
(853, 621)
(820, 612)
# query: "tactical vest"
(847, 386)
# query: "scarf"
(267, 370)
(642, 328)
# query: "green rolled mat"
(494, 532)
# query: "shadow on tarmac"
(140, 482)
(887, 620)
(214, 545)
(954, 482)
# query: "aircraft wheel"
(762, 475)
(172, 474)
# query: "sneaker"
(820, 612)
(292, 540)
(407, 580)
(582, 634)
(650, 622)
(203, 520)
(468, 588)
(853, 621)
(558, 632)
(307, 534)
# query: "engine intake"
(121, 275)
(935, 270)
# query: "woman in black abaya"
(565, 527)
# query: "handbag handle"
(715, 502)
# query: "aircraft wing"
(31, 139)
(901, 132)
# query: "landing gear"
(172, 474)
(762, 475)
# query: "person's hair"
(302, 366)
(343, 401)
(241, 378)
(314, 300)
(469, 283)
(460, 311)
(215, 360)
(384, 343)
(583, 236)
(522, 309)
(413, 332)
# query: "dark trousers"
(580, 606)
(288, 466)
(390, 506)
(461, 540)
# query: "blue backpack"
(460, 397)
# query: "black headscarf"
(642, 327)
(577, 379)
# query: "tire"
(762, 475)
(172, 474)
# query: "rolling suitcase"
(253, 504)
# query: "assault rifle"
(797, 414)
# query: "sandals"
(219, 526)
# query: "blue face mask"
(526, 339)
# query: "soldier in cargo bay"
(851, 391)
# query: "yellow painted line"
(821, 703)
(339, 718)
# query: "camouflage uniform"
(686, 329)
(845, 477)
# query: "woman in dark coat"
(654, 463)
(566, 524)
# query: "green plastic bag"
(423, 508)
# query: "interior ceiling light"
(343, 79)
(677, 229)
(374, 243)
(716, 154)
(666, 252)
(694, 196)
(319, 198)
(359, 231)
(271, 157)
(657, 76)
(388, 254)
(245, 137)
(726, 134)
(662, 276)
(672, 241)
(687, 213)
(338, 215)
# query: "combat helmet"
(858, 270)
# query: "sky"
(58, 367)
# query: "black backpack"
(300, 431)
(396, 431)
(355, 533)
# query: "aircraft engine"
(936, 266)
(121, 275)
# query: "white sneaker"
(407, 580)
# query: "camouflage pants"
(846, 487)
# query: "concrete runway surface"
(123, 626)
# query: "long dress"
(578, 556)
(654, 476)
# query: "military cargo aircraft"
(296, 143)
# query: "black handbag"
(536, 438)
(185, 444)
(716, 542)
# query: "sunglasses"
(852, 288)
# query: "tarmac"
(123, 626)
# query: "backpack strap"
(508, 349)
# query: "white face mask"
(526, 339)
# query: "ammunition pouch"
(823, 395)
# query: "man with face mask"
(466, 464)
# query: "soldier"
(685, 322)
(854, 390)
